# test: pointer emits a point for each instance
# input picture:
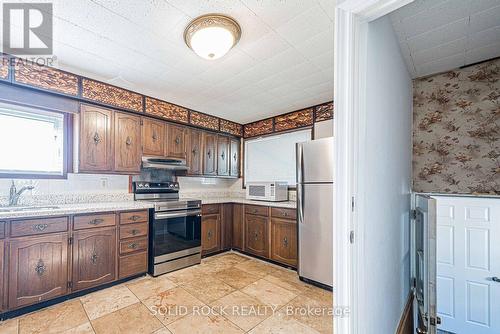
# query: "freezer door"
(315, 161)
(315, 220)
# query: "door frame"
(350, 49)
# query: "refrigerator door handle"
(300, 163)
(300, 203)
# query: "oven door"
(176, 234)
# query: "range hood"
(164, 163)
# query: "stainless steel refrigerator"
(315, 194)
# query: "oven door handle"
(178, 214)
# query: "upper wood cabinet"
(234, 161)
(94, 257)
(38, 269)
(128, 148)
(209, 153)
(96, 139)
(194, 152)
(153, 137)
(176, 142)
(223, 156)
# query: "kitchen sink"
(27, 208)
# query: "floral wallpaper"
(456, 131)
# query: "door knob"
(495, 279)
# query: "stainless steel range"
(174, 227)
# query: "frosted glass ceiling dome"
(212, 36)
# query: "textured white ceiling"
(440, 35)
(283, 62)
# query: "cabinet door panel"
(210, 233)
(94, 257)
(176, 145)
(284, 241)
(38, 269)
(234, 168)
(96, 139)
(153, 137)
(194, 154)
(238, 226)
(256, 239)
(209, 154)
(223, 156)
(227, 226)
(127, 143)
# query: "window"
(32, 143)
(273, 158)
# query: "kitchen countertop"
(67, 209)
(286, 204)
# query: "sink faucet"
(15, 194)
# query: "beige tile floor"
(227, 293)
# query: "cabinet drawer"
(2, 230)
(257, 210)
(208, 209)
(133, 245)
(38, 226)
(133, 264)
(284, 213)
(92, 221)
(133, 230)
(134, 217)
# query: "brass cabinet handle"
(284, 213)
(97, 138)
(495, 279)
(177, 140)
(133, 245)
(209, 234)
(194, 151)
(256, 236)
(93, 258)
(223, 156)
(209, 153)
(40, 227)
(128, 142)
(154, 137)
(134, 217)
(40, 268)
(254, 210)
(285, 242)
(134, 232)
(235, 156)
(96, 221)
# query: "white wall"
(384, 183)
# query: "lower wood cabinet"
(256, 235)
(210, 233)
(284, 241)
(38, 269)
(226, 236)
(94, 257)
(238, 226)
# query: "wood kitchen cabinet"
(96, 139)
(256, 235)
(234, 161)
(209, 153)
(94, 257)
(176, 144)
(223, 158)
(195, 152)
(210, 228)
(153, 137)
(284, 241)
(238, 229)
(38, 269)
(226, 226)
(128, 147)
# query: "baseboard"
(406, 322)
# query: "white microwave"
(267, 191)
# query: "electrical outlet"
(104, 182)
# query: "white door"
(468, 264)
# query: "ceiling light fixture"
(212, 36)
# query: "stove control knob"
(146, 185)
(140, 185)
